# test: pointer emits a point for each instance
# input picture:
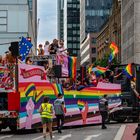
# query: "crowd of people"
(91, 79)
(57, 46)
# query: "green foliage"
(104, 62)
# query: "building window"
(30, 4)
(93, 50)
(3, 21)
(87, 2)
(93, 59)
(74, 45)
(93, 40)
(69, 25)
(74, 52)
(69, 45)
(69, 38)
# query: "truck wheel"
(13, 128)
(135, 120)
(121, 120)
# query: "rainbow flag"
(100, 70)
(31, 87)
(80, 104)
(72, 67)
(114, 51)
(128, 71)
(57, 89)
(2, 71)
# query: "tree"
(104, 62)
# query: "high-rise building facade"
(93, 15)
(17, 18)
(130, 16)
(72, 26)
(110, 33)
(60, 19)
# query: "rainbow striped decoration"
(29, 89)
(57, 89)
(114, 51)
(1, 71)
(100, 70)
(128, 71)
(80, 104)
(72, 67)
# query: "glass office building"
(17, 18)
(94, 14)
(72, 26)
(60, 19)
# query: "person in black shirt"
(53, 47)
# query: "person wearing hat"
(46, 112)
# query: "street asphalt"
(83, 133)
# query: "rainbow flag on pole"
(81, 104)
(128, 71)
(114, 51)
(100, 70)
(72, 67)
(57, 89)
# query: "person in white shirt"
(61, 48)
(46, 46)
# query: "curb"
(120, 133)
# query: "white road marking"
(40, 137)
(65, 137)
(92, 136)
(9, 136)
(120, 132)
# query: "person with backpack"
(59, 112)
(46, 112)
(103, 108)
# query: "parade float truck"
(130, 102)
(20, 98)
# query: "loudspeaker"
(57, 71)
(14, 48)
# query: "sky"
(47, 13)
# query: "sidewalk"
(126, 132)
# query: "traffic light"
(29, 39)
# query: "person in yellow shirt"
(46, 112)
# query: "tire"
(121, 120)
(135, 120)
(13, 128)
